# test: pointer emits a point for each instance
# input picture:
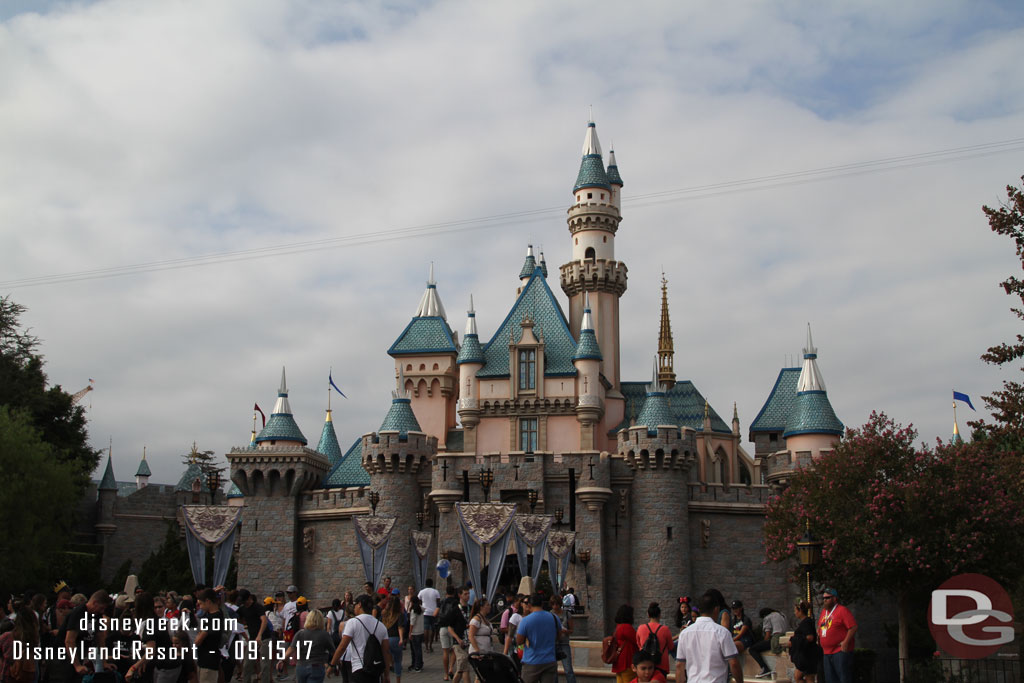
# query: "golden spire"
(666, 373)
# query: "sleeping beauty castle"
(524, 451)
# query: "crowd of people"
(213, 635)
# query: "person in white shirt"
(431, 600)
(706, 652)
(355, 635)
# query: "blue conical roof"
(613, 170)
(587, 347)
(281, 426)
(235, 492)
(592, 174)
(143, 470)
(655, 412)
(108, 483)
(400, 418)
(471, 351)
(328, 445)
(812, 414)
(529, 265)
(192, 472)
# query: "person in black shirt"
(257, 633)
(212, 636)
(152, 667)
(81, 625)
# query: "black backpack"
(652, 647)
(373, 654)
(447, 616)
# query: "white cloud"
(142, 132)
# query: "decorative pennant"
(560, 543)
(421, 543)
(485, 522)
(532, 528)
(374, 530)
(211, 524)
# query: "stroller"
(495, 667)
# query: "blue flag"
(957, 396)
(331, 380)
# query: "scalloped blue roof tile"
(281, 427)
(235, 492)
(587, 348)
(471, 351)
(613, 175)
(655, 412)
(424, 335)
(349, 470)
(193, 472)
(529, 265)
(328, 445)
(143, 470)
(592, 173)
(779, 404)
(536, 301)
(812, 414)
(400, 418)
(684, 400)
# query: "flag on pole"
(957, 396)
(330, 379)
(256, 407)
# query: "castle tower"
(587, 360)
(398, 459)
(143, 474)
(660, 454)
(666, 372)
(271, 477)
(425, 353)
(470, 360)
(105, 525)
(812, 425)
(593, 220)
(328, 446)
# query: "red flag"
(256, 407)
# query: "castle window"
(528, 369)
(528, 434)
(602, 195)
(590, 195)
(590, 253)
(605, 239)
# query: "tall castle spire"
(666, 353)
(812, 412)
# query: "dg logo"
(970, 616)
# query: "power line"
(764, 182)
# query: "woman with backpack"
(655, 639)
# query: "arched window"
(528, 369)
(590, 253)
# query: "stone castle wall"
(141, 520)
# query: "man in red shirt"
(836, 628)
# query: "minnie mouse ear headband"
(684, 600)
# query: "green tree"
(213, 471)
(49, 410)
(894, 517)
(35, 502)
(168, 567)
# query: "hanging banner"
(373, 534)
(560, 544)
(531, 533)
(210, 525)
(420, 542)
(486, 529)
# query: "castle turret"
(587, 360)
(328, 445)
(470, 361)
(593, 221)
(107, 494)
(398, 459)
(660, 453)
(143, 474)
(425, 353)
(272, 477)
(812, 425)
(614, 179)
(529, 265)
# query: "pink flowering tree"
(893, 517)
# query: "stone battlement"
(593, 275)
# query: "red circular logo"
(970, 616)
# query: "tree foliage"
(213, 471)
(1007, 404)
(36, 502)
(893, 516)
(168, 567)
(50, 411)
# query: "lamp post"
(559, 513)
(531, 496)
(584, 556)
(486, 478)
(808, 550)
(374, 499)
(420, 516)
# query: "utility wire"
(765, 182)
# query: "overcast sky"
(135, 133)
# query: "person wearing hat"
(836, 629)
(742, 627)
